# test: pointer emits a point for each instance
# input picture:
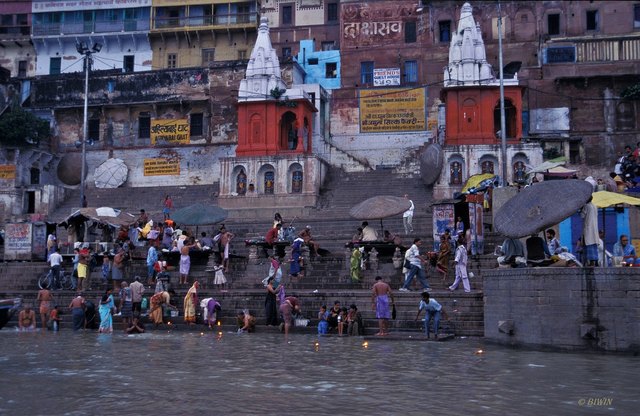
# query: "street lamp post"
(83, 49)
(503, 132)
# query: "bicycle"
(65, 280)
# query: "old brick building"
(577, 67)
(574, 60)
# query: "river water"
(189, 373)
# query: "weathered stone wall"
(565, 308)
(199, 165)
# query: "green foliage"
(21, 128)
(632, 92)
(285, 102)
(277, 93)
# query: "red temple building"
(471, 97)
(274, 164)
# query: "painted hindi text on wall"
(392, 110)
(161, 166)
(17, 241)
(7, 172)
(168, 131)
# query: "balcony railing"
(15, 30)
(582, 50)
(201, 21)
(105, 26)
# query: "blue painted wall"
(316, 74)
(615, 224)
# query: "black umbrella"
(541, 205)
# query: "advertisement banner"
(170, 131)
(7, 172)
(386, 77)
(443, 218)
(476, 227)
(161, 166)
(393, 110)
(17, 241)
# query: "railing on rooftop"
(97, 26)
(201, 21)
(589, 49)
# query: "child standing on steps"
(323, 325)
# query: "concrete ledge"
(572, 308)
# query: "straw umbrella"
(541, 205)
(380, 207)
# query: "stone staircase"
(133, 199)
(334, 156)
(327, 278)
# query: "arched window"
(269, 181)
(296, 182)
(241, 183)
(288, 131)
(35, 176)
(509, 119)
(487, 166)
(625, 116)
(455, 173)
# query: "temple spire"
(263, 70)
(467, 56)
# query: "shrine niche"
(296, 178)
(240, 179)
(519, 165)
(488, 164)
(456, 174)
(266, 179)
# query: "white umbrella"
(111, 174)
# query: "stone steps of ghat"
(465, 311)
(331, 226)
(133, 199)
(321, 273)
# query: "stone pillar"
(286, 261)
(397, 259)
(373, 259)
(253, 254)
(347, 259)
(306, 259)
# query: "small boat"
(7, 308)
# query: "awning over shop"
(103, 215)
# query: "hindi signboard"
(393, 110)
(7, 172)
(383, 77)
(169, 131)
(161, 166)
(17, 241)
